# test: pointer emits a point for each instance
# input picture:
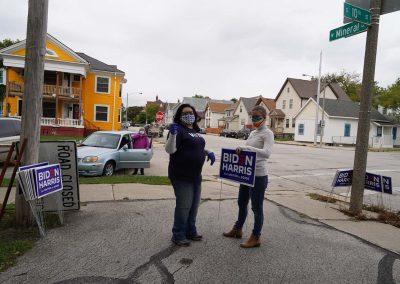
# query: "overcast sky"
(216, 48)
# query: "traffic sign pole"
(361, 153)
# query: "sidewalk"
(382, 235)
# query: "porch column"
(80, 102)
(5, 110)
(57, 78)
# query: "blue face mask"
(188, 118)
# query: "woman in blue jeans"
(187, 155)
(260, 141)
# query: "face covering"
(257, 120)
(141, 132)
(188, 118)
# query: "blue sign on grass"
(238, 168)
(343, 178)
(48, 180)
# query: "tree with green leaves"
(200, 96)
(133, 111)
(349, 82)
(7, 42)
(234, 100)
(390, 98)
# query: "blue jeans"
(187, 204)
(256, 194)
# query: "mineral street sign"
(347, 30)
(357, 14)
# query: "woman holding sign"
(187, 155)
(260, 141)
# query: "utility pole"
(32, 98)
(361, 153)
(317, 107)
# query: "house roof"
(248, 103)
(199, 104)
(349, 109)
(96, 64)
(306, 89)
(270, 103)
(277, 113)
(219, 107)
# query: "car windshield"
(104, 140)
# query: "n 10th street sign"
(347, 30)
(357, 14)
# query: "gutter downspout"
(115, 90)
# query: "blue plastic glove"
(173, 128)
(211, 158)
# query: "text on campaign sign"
(238, 168)
(48, 180)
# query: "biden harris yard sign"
(48, 179)
(238, 168)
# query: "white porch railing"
(385, 141)
(64, 122)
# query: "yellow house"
(80, 93)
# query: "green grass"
(10, 250)
(153, 180)
(384, 149)
(13, 242)
(59, 138)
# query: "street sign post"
(347, 30)
(357, 14)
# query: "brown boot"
(252, 242)
(233, 233)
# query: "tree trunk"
(32, 98)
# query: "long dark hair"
(178, 114)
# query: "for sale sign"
(48, 180)
(238, 168)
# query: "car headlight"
(90, 159)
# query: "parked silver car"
(104, 152)
(10, 130)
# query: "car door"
(134, 158)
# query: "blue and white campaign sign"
(238, 168)
(372, 181)
(343, 178)
(387, 185)
(24, 168)
(48, 179)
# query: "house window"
(51, 53)
(394, 132)
(120, 90)
(242, 121)
(19, 111)
(240, 109)
(301, 129)
(347, 127)
(101, 113)
(2, 77)
(49, 109)
(293, 123)
(291, 103)
(287, 123)
(379, 131)
(119, 114)
(77, 78)
(283, 104)
(288, 89)
(102, 85)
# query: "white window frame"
(290, 103)
(302, 128)
(287, 123)
(108, 113)
(3, 76)
(109, 84)
(283, 104)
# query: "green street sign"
(357, 14)
(347, 30)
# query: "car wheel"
(244, 137)
(109, 169)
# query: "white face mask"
(141, 132)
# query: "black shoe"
(196, 238)
(181, 243)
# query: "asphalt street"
(95, 248)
